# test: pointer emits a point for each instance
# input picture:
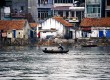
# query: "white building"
(55, 26)
(95, 27)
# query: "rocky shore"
(65, 42)
(76, 42)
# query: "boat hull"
(55, 51)
(89, 45)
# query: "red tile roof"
(62, 21)
(12, 24)
(33, 25)
(95, 22)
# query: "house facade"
(55, 26)
(95, 27)
(14, 29)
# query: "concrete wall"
(26, 30)
(32, 8)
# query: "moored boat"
(89, 44)
(93, 45)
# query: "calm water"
(30, 63)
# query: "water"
(30, 63)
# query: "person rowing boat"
(60, 47)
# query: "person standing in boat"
(60, 47)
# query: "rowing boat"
(55, 51)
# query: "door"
(31, 34)
(107, 33)
(14, 33)
(71, 35)
(101, 34)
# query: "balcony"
(17, 15)
(62, 4)
(77, 8)
(93, 1)
(93, 15)
(48, 5)
(107, 7)
(73, 19)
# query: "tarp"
(107, 33)
(101, 34)
(7, 10)
(4, 34)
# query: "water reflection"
(30, 63)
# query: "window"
(72, 14)
(38, 1)
(108, 2)
(93, 9)
(108, 14)
(67, 13)
(42, 1)
(44, 31)
(63, 1)
(93, 1)
(60, 13)
(40, 28)
(22, 7)
(43, 13)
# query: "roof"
(33, 25)
(12, 24)
(62, 21)
(95, 22)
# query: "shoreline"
(64, 42)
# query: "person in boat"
(60, 47)
(45, 49)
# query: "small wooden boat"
(55, 51)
